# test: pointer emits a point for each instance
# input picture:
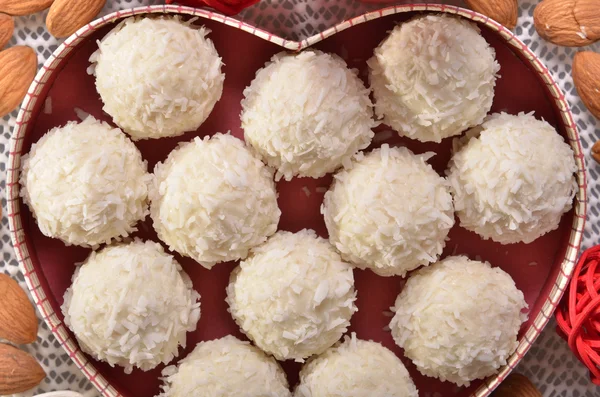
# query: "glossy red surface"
(534, 266)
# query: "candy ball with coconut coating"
(514, 180)
(85, 183)
(225, 367)
(433, 77)
(293, 296)
(131, 305)
(356, 368)
(389, 212)
(157, 77)
(213, 200)
(307, 114)
(458, 319)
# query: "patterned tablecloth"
(549, 364)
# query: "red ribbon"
(227, 7)
(578, 315)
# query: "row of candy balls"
(132, 305)
(308, 114)
(305, 114)
(213, 200)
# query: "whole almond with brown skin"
(68, 16)
(596, 152)
(7, 26)
(504, 11)
(18, 323)
(23, 7)
(18, 370)
(570, 23)
(586, 76)
(18, 66)
(516, 385)
(587, 14)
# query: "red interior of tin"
(534, 267)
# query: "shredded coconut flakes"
(293, 296)
(499, 192)
(306, 114)
(356, 368)
(85, 183)
(157, 77)
(213, 200)
(458, 320)
(433, 77)
(396, 225)
(225, 367)
(131, 305)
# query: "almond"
(18, 323)
(68, 16)
(18, 370)
(586, 13)
(596, 152)
(7, 26)
(571, 23)
(516, 385)
(18, 66)
(23, 7)
(504, 11)
(586, 76)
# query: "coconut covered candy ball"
(225, 367)
(131, 305)
(356, 368)
(458, 319)
(213, 200)
(293, 296)
(398, 223)
(433, 77)
(157, 77)
(306, 114)
(513, 180)
(85, 183)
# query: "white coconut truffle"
(225, 367)
(514, 181)
(157, 77)
(433, 77)
(306, 114)
(85, 183)
(293, 296)
(356, 368)
(213, 200)
(390, 212)
(131, 305)
(458, 320)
